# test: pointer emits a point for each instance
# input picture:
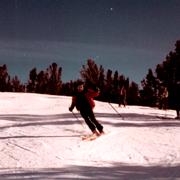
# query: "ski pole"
(116, 110)
(77, 119)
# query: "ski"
(91, 137)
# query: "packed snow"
(41, 139)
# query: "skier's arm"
(92, 93)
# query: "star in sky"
(111, 9)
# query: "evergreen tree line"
(166, 75)
(110, 83)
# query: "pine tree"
(16, 85)
(168, 72)
(31, 86)
(90, 73)
(4, 79)
(54, 79)
(133, 97)
(150, 89)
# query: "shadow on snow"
(128, 120)
(115, 171)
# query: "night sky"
(125, 35)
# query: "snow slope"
(41, 139)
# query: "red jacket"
(89, 95)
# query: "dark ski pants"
(90, 120)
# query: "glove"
(70, 109)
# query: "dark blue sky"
(125, 35)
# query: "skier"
(164, 99)
(84, 102)
(122, 96)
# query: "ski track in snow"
(41, 133)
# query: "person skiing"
(122, 96)
(164, 99)
(84, 103)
